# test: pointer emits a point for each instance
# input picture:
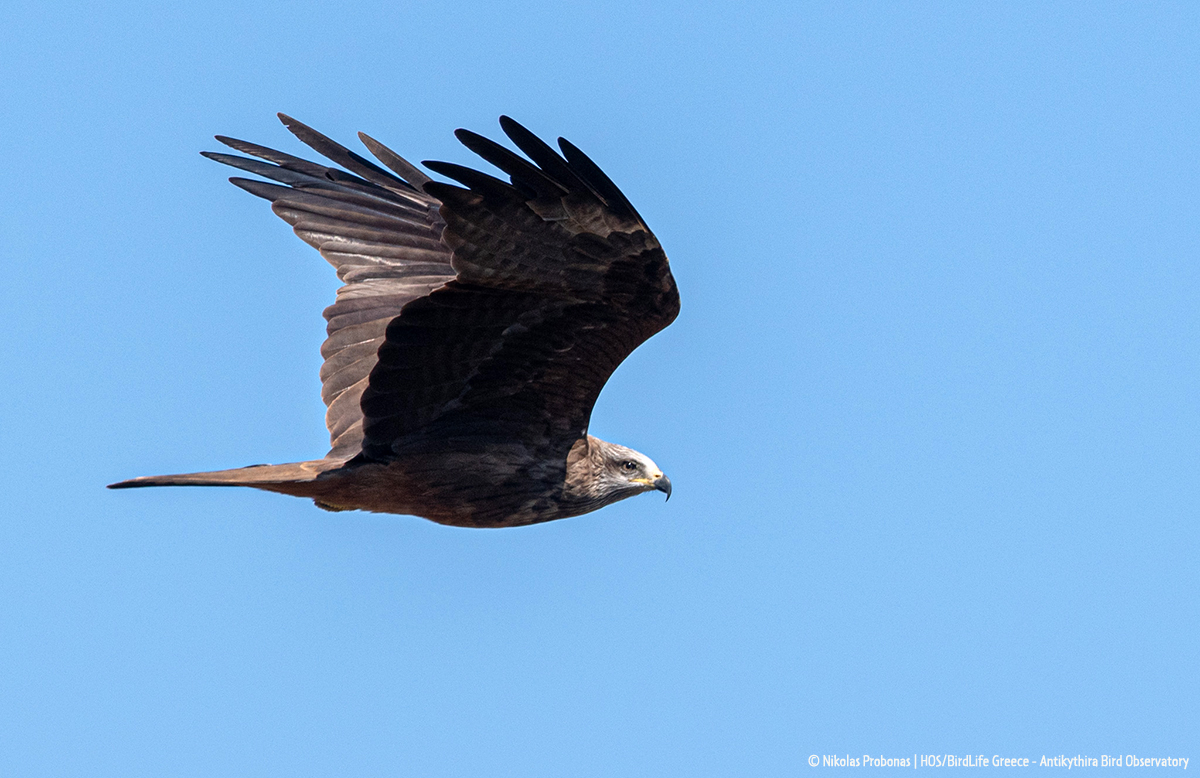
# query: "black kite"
(475, 327)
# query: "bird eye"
(629, 466)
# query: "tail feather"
(260, 476)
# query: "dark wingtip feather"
(475, 180)
(589, 171)
(451, 194)
(355, 163)
(522, 172)
(271, 192)
(274, 172)
(524, 138)
(508, 123)
(398, 164)
(286, 161)
(549, 160)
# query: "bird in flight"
(476, 324)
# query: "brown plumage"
(475, 327)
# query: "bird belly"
(460, 490)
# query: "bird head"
(624, 472)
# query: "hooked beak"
(663, 484)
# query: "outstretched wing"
(558, 279)
(380, 232)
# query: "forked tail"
(258, 476)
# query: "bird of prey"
(475, 327)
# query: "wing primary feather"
(452, 195)
(473, 179)
(545, 157)
(264, 169)
(398, 164)
(520, 169)
(261, 189)
(335, 151)
(597, 178)
(271, 155)
(360, 159)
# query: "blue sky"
(930, 408)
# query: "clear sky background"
(931, 409)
